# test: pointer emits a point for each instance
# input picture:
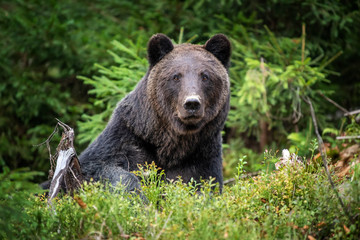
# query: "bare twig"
(333, 102)
(74, 175)
(323, 155)
(49, 138)
(352, 113)
(47, 142)
(347, 137)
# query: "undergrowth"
(291, 203)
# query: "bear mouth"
(190, 120)
(188, 124)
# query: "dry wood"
(67, 175)
(352, 112)
(347, 137)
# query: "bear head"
(188, 85)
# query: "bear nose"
(192, 104)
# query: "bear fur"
(173, 117)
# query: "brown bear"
(173, 117)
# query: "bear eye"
(204, 77)
(176, 77)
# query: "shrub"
(290, 203)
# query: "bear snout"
(192, 104)
(191, 111)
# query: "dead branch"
(347, 137)
(47, 142)
(352, 112)
(67, 175)
(324, 157)
(334, 103)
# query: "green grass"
(288, 204)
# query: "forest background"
(74, 60)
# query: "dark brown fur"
(155, 123)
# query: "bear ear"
(220, 46)
(159, 45)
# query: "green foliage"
(270, 92)
(152, 179)
(113, 84)
(270, 158)
(260, 91)
(291, 203)
(268, 85)
(233, 152)
(240, 167)
(46, 44)
(270, 76)
(353, 129)
(15, 194)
